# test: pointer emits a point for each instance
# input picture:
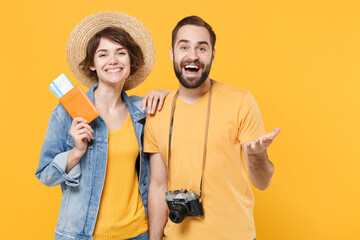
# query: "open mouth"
(192, 68)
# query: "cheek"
(207, 58)
(177, 56)
(126, 61)
(179, 59)
(97, 63)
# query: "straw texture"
(84, 30)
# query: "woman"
(102, 170)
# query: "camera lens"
(178, 214)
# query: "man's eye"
(202, 49)
(183, 48)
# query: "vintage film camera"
(182, 203)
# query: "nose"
(113, 59)
(193, 55)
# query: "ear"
(92, 68)
(213, 56)
(171, 54)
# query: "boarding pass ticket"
(61, 85)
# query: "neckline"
(204, 97)
(123, 127)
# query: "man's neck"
(191, 95)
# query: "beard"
(192, 82)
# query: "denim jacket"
(82, 186)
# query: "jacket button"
(144, 182)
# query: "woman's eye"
(122, 53)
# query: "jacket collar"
(136, 114)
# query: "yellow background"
(300, 59)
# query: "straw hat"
(80, 36)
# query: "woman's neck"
(108, 98)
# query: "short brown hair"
(197, 21)
(119, 36)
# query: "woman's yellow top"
(121, 214)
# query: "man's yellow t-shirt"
(227, 197)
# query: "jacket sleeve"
(54, 154)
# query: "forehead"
(107, 43)
(193, 34)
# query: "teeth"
(113, 70)
(191, 67)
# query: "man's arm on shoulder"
(259, 165)
(156, 197)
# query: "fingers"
(253, 145)
(161, 102)
(266, 141)
(84, 132)
(262, 143)
(154, 99)
(147, 101)
(80, 129)
(79, 135)
(83, 125)
(152, 104)
(144, 101)
(77, 120)
(274, 133)
(248, 147)
(257, 146)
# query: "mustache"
(196, 62)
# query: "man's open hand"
(261, 144)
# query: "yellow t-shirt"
(227, 197)
(121, 214)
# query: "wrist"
(75, 154)
(80, 152)
(257, 159)
(73, 158)
(256, 155)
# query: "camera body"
(182, 203)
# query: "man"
(215, 138)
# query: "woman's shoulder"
(61, 114)
(135, 99)
(136, 102)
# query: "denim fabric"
(144, 236)
(82, 186)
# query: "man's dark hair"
(197, 21)
(119, 36)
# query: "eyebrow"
(105, 50)
(187, 41)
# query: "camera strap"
(206, 132)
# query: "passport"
(74, 99)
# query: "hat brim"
(84, 30)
